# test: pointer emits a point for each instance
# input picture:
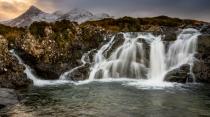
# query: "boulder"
(180, 75)
(201, 68)
(81, 73)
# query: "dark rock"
(170, 33)
(46, 71)
(51, 54)
(118, 41)
(11, 73)
(202, 65)
(8, 97)
(180, 75)
(205, 29)
(81, 73)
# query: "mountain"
(31, 15)
(35, 14)
(78, 15)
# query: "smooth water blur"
(113, 99)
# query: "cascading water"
(85, 56)
(140, 56)
(128, 60)
(36, 80)
(157, 60)
(183, 49)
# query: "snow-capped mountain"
(59, 13)
(35, 14)
(78, 15)
(31, 15)
(82, 15)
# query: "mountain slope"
(78, 15)
(35, 14)
(31, 15)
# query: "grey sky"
(193, 9)
(196, 9)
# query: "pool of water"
(113, 99)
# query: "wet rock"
(81, 73)
(205, 29)
(180, 75)
(46, 71)
(8, 97)
(170, 33)
(202, 64)
(118, 41)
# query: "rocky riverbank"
(53, 48)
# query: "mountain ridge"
(35, 14)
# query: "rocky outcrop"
(54, 48)
(51, 49)
(202, 64)
(180, 75)
(11, 73)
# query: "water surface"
(113, 99)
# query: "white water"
(183, 49)
(36, 80)
(128, 60)
(85, 56)
(157, 60)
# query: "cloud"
(195, 9)
(13, 8)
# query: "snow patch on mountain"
(35, 14)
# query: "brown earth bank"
(53, 48)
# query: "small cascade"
(129, 59)
(85, 56)
(182, 51)
(157, 60)
(99, 57)
(36, 80)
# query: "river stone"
(8, 97)
(81, 73)
(180, 75)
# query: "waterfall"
(182, 51)
(129, 59)
(140, 56)
(36, 80)
(157, 60)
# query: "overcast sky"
(194, 9)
